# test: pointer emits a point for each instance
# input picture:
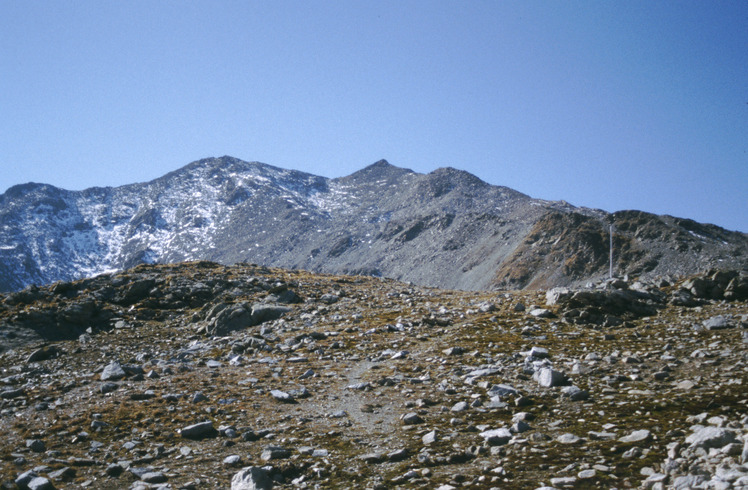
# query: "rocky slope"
(446, 228)
(200, 375)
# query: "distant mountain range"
(445, 229)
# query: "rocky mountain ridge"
(446, 228)
(199, 375)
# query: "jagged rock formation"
(200, 375)
(446, 228)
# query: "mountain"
(446, 228)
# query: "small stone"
(541, 313)
(40, 483)
(233, 460)
(636, 436)
(154, 477)
(718, 322)
(459, 407)
(548, 378)
(275, 452)
(65, 473)
(282, 396)
(372, 458)
(575, 393)
(114, 470)
(198, 431)
(563, 481)
(520, 426)
(108, 387)
(412, 418)
(586, 474)
(568, 439)
(36, 445)
(497, 437)
(24, 478)
(429, 438)
(539, 353)
(198, 397)
(398, 455)
(502, 390)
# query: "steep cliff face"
(446, 228)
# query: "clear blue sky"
(613, 105)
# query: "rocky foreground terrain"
(199, 375)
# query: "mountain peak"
(380, 170)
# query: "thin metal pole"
(611, 251)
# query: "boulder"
(548, 378)
(251, 478)
(709, 437)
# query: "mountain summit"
(446, 228)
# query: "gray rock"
(112, 371)
(459, 407)
(108, 387)
(429, 438)
(412, 418)
(198, 431)
(569, 439)
(262, 313)
(114, 470)
(557, 295)
(496, 437)
(274, 452)
(43, 354)
(502, 390)
(587, 474)
(229, 319)
(541, 313)
(575, 393)
(563, 482)
(718, 322)
(359, 386)
(482, 372)
(36, 445)
(372, 458)
(688, 482)
(154, 477)
(548, 378)
(538, 353)
(65, 473)
(709, 437)
(251, 478)
(282, 396)
(233, 460)
(40, 483)
(24, 478)
(637, 436)
(398, 455)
